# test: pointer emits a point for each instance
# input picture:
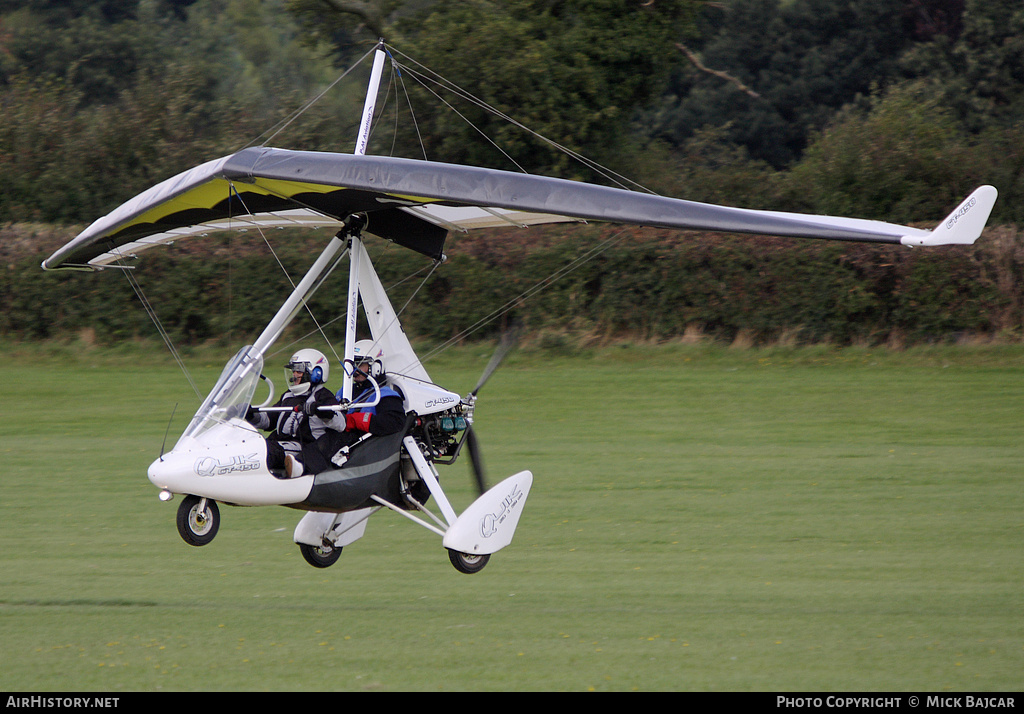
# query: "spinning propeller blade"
(476, 461)
(508, 341)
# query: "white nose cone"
(173, 472)
(157, 473)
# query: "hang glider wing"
(416, 203)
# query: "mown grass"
(702, 519)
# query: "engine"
(440, 434)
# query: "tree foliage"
(646, 283)
(980, 75)
(885, 109)
(914, 150)
(101, 99)
(803, 60)
(118, 96)
(574, 72)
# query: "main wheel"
(466, 563)
(320, 556)
(198, 526)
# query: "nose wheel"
(198, 520)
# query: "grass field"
(702, 519)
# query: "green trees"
(883, 107)
(980, 73)
(573, 71)
(887, 109)
(98, 101)
(954, 124)
(902, 157)
(801, 60)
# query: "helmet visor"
(296, 372)
(363, 366)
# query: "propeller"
(476, 461)
(508, 341)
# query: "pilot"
(292, 444)
(387, 416)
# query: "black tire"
(323, 556)
(198, 527)
(466, 563)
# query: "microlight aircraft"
(415, 204)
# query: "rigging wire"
(161, 330)
(471, 124)
(434, 266)
(291, 282)
(274, 131)
(428, 74)
(525, 295)
(408, 100)
(425, 77)
(287, 121)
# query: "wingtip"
(964, 225)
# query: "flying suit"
(385, 417)
(296, 432)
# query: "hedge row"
(595, 281)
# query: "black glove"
(311, 409)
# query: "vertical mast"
(371, 100)
(355, 255)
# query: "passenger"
(385, 417)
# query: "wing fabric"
(415, 203)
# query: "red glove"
(359, 421)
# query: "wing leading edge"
(415, 203)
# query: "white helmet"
(369, 358)
(314, 367)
